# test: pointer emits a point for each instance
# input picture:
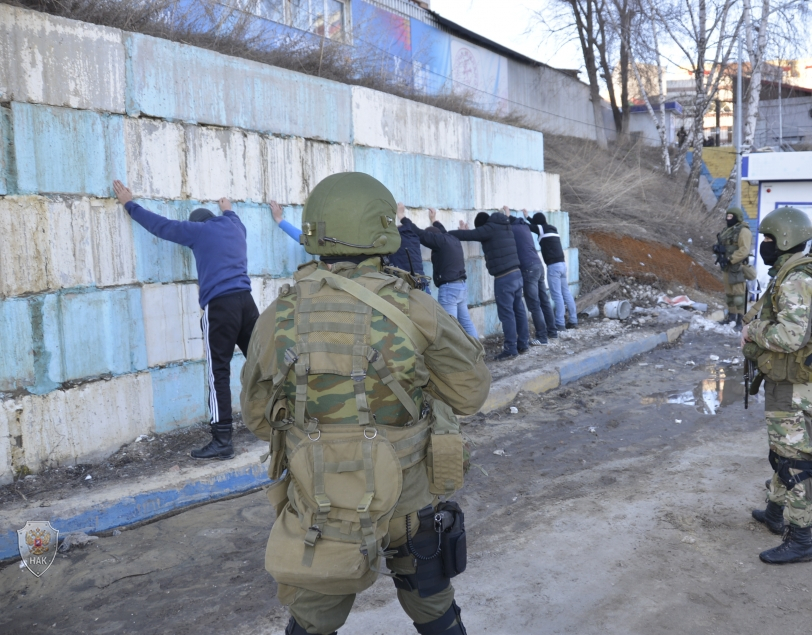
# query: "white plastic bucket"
(617, 309)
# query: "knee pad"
(441, 625)
(294, 628)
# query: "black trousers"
(228, 320)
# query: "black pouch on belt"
(453, 549)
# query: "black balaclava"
(201, 215)
(481, 218)
(731, 221)
(539, 219)
(770, 253)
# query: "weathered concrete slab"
(23, 245)
(223, 163)
(92, 333)
(86, 422)
(553, 191)
(324, 159)
(175, 82)
(284, 169)
(112, 240)
(420, 181)
(8, 180)
(45, 59)
(518, 189)
(265, 290)
(271, 252)
(64, 151)
(499, 144)
(17, 346)
(386, 121)
(156, 161)
(171, 323)
(7, 412)
(179, 395)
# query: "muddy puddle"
(724, 386)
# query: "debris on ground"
(76, 539)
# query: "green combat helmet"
(350, 214)
(788, 226)
(737, 213)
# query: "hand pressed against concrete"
(123, 193)
(463, 225)
(401, 212)
(225, 204)
(505, 210)
(524, 211)
(432, 215)
(276, 212)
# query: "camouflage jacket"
(737, 241)
(451, 368)
(785, 321)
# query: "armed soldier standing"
(354, 377)
(732, 253)
(778, 341)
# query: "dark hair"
(539, 219)
(200, 215)
(434, 230)
(481, 219)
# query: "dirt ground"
(619, 504)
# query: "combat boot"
(772, 517)
(729, 317)
(797, 547)
(738, 325)
(293, 628)
(220, 446)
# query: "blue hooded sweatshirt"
(219, 246)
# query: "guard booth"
(784, 179)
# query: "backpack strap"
(366, 296)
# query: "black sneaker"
(504, 355)
(553, 335)
(571, 325)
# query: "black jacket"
(525, 246)
(446, 253)
(551, 250)
(410, 241)
(497, 241)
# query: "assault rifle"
(721, 253)
(422, 281)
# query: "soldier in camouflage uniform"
(354, 376)
(736, 240)
(778, 341)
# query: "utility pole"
(718, 122)
(737, 199)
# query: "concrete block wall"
(99, 320)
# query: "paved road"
(621, 506)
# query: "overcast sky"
(511, 24)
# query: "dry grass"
(241, 34)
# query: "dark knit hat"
(201, 215)
(539, 219)
(481, 218)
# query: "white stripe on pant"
(215, 414)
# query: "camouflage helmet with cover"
(350, 214)
(737, 213)
(788, 226)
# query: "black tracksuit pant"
(228, 320)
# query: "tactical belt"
(783, 465)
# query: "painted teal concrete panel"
(159, 260)
(474, 271)
(271, 252)
(60, 150)
(94, 333)
(420, 181)
(179, 395)
(499, 144)
(16, 345)
(7, 180)
(185, 83)
(572, 266)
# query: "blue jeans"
(453, 297)
(560, 290)
(546, 307)
(531, 279)
(509, 306)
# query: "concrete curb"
(120, 505)
(572, 369)
(124, 504)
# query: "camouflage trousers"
(323, 614)
(788, 410)
(734, 295)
